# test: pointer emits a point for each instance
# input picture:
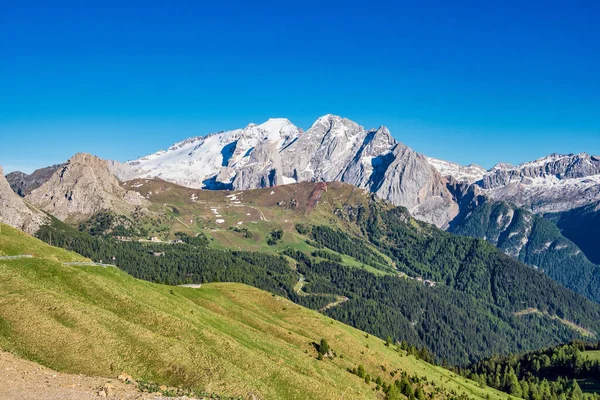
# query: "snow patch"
(288, 181)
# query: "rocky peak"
(84, 186)
(469, 174)
(15, 212)
(334, 126)
(23, 184)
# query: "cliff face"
(14, 211)
(82, 187)
(23, 184)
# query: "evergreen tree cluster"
(443, 320)
(188, 262)
(551, 373)
(327, 255)
(339, 241)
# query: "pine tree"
(393, 393)
(576, 392)
(420, 394)
(388, 341)
(514, 388)
(323, 347)
(524, 389)
(361, 371)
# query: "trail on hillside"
(16, 257)
(183, 223)
(340, 300)
(300, 285)
(26, 380)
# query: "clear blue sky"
(469, 81)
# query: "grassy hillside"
(223, 214)
(229, 338)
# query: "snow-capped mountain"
(211, 161)
(469, 174)
(558, 182)
(277, 152)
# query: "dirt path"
(340, 300)
(15, 257)
(566, 322)
(183, 223)
(88, 264)
(300, 285)
(191, 285)
(26, 380)
(262, 216)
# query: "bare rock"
(82, 187)
(15, 212)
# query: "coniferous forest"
(561, 372)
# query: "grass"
(261, 211)
(224, 338)
(14, 242)
(593, 355)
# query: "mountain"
(338, 149)
(469, 174)
(15, 212)
(218, 341)
(23, 183)
(80, 188)
(277, 152)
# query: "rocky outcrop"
(276, 152)
(263, 168)
(556, 183)
(82, 187)
(23, 184)
(559, 167)
(14, 211)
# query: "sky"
(468, 81)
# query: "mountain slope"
(582, 226)
(82, 187)
(23, 183)
(222, 338)
(533, 240)
(277, 152)
(15, 212)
